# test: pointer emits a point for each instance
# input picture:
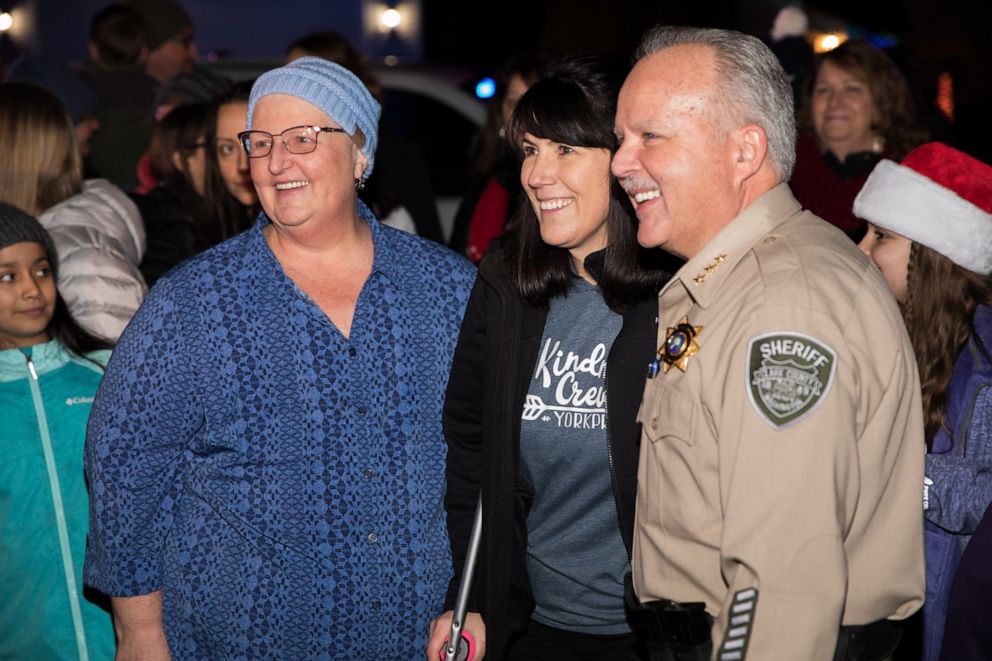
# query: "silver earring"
(360, 184)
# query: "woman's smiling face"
(295, 189)
(569, 189)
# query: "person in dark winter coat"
(171, 209)
(116, 69)
(967, 635)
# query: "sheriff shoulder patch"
(788, 375)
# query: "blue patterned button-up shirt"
(282, 485)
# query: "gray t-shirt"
(575, 555)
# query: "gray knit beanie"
(331, 88)
(19, 227)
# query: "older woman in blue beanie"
(265, 453)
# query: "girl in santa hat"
(930, 234)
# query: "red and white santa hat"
(939, 197)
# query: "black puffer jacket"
(493, 361)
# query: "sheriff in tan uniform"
(782, 458)
(781, 466)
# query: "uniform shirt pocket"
(672, 476)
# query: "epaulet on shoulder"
(775, 254)
(779, 265)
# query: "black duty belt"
(868, 642)
(672, 631)
(680, 631)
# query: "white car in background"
(425, 107)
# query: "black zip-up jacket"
(494, 358)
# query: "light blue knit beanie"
(330, 87)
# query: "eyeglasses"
(296, 140)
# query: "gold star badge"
(680, 345)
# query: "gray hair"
(752, 86)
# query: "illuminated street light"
(6, 21)
(391, 29)
(828, 41)
(391, 18)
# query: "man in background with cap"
(778, 503)
(169, 31)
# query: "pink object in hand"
(465, 651)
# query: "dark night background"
(932, 36)
(474, 36)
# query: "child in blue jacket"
(931, 235)
(49, 372)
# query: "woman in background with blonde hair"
(97, 230)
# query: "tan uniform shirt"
(781, 473)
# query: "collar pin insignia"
(710, 268)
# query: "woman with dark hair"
(857, 109)
(493, 191)
(931, 235)
(179, 159)
(204, 194)
(49, 371)
(527, 418)
(228, 192)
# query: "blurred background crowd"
(448, 74)
(120, 122)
